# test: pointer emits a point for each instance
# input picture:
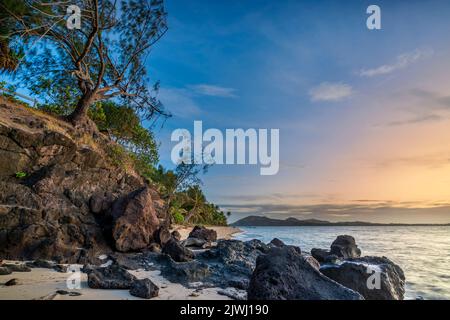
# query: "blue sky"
(360, 112)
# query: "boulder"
(345, 247)
(11, 282)
(284, 274)
(203, 233)
(4, 271)
(17, 267)
(375, 278)
(176, 235)
(277, 242)
(41, 263)
(177, 252)
(195, 242)
(162, 235)
(144, 288)
(134, 227)
(111, 277)
(320, 254)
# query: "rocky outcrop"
(144, 288)
(375, 278)
(203, 233)
(58, 188)
(284, 274)
(136, 222)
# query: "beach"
(43, 284)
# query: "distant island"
(257, 221)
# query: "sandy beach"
(43, 284)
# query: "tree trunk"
(79, 115)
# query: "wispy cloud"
(213, 90)
(327, 91)
(402, 61)
(179, 102)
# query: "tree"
(104, 59)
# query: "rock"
(61, 268)
(11, 282)
(195, 242)
(177, 252)
(176, 235)
(62, 292)
(17, 267)
(277, 242)
(41, 263)
(320, 254)
(345, 247)
(162, 235)
(284, 274)
(331, 259)
(232, 262)
(233, 293)
(203, 233)
(62, 209)
(112, 277)
(134, 228)
(313, 262)
(154, 247)
(185, 272)
(362, 275)
(144, 288)
(4, 271)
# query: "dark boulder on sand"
(375, 278)
(177, 252)
(284, 274)
(203, 233)
(144, 288)
(111, 277)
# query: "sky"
(364, 115)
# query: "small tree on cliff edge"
(104, 58)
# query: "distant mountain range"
(257, 221)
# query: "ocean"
(422, 252)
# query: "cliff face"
(63, 193)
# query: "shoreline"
(43, 284)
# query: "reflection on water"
(422, 252)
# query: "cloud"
(402, 61)
(327, 91)
(213, 91)
(179, 102)
(419, 119)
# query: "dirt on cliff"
(63, 192)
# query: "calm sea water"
(422, 252)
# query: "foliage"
(21, 174)
(184, 196)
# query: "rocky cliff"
(64, 195)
